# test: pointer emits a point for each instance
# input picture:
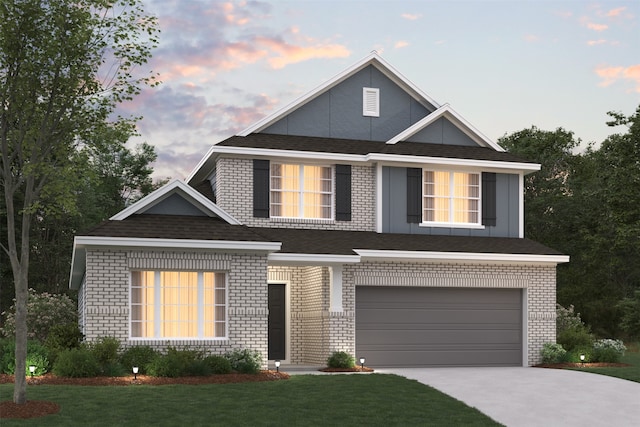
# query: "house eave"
(311, 259)
(469, 257)
(378, 157)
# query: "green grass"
(631, 373)
(303, 400)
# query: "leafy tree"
(64, 66)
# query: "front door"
(277, 322)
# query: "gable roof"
(459, 121)
(196, 198)
(372, 59)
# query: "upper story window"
(178, 304)
(451, 197)
(301, 191)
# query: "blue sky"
(503, 65)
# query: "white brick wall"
(105, 307)
(235, 195)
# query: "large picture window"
(451, 197)
(301, 191)
(178, 304)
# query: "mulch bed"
(337, 370)
(37, 408)
(581, 365)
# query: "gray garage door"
(398, 326)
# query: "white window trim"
(301, 193)
(469, 225)
(157, 307)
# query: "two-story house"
(363, 217)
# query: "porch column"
(335, 288)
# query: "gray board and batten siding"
(337, 113)
(412, 326)
(394, 208)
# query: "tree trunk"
(22, 294)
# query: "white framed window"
(451, 197)
(301, 191)
(178, 304)
(370, 102)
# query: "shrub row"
(604, 350)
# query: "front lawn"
(631, 373)
(356, 400)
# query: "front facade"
(363, 217)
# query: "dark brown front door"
(277, 323)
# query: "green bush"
(37, 355)
(630, 308)
(574, 355)
(218, 364)
(140, 356)
(245, 361)
(575, 338)
(341, 360)
(176, 363)
(63, 337)
(553, 353)
(608, 351)
(105, 350)
(43, 312)
(77, 363)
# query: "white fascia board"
(205, 161)
(311, 259)
(78, 266)
(459, 121)
(372, 59)
(380, 157)
(449, 161)
(459, 256)
(139, 242)
(307, 155)
(205, 205)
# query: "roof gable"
(176, 198)
(372, 60)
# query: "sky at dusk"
(503, 65)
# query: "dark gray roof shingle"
(362, 147)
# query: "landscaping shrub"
(341, 360)
(218, 364)
(37, 355)
(43, 312)
(553, 353)
(140, 356)
(176, 363)
(63, 337)
(575, 338)
(245, 361)
(105, 350)
(567, 318)
(608, 351)
(76, 363)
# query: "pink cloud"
(597, 27)
(596, 42)
(400, 44)
(531, 38)
(287, 53)
(611, 75)
(411, 17)
(615, 12)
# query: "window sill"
(451, 225)
(219, 341)
(303, 220)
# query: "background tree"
(587, 205)
(64, 66)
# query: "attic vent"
(370, 102)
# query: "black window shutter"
(414, 195)
(343, 192)
(488, 199)
(261, 188)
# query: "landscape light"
(135, 372)
(277, 366)
(582, 359)
(362, 364)
(32, 369)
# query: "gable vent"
(370, 102)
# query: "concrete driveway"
(536, 396)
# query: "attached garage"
(414, 326)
